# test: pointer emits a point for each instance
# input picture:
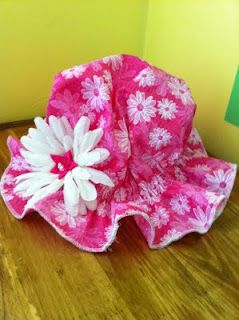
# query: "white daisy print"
(167, 109)
(101, 122)
(120, 194)
(194, 137)
(63, 217)
(18, 163)
(159, 137)
(212, 197)
(220, 181)
(202, 167)
(108, 78)
(180, 90)
(160, 217)
(6, 194)
(75, 71)
(66, 103)
(174, 157)
(108, 233)
(96, 92)
(194, 153)
(180, 175)
(151, 191)
(156, 160)
(170, 236)
(179, 204)
(115, 61)
(7, 179)
(61, 157)
(86, 111)
(140, 108)
(103, 209)
(203, 219)
(145, 78)
(122, 137)
(158, 183)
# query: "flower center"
(96, 92)
(72, 109)
(223, 185)
(140, 107)
(63, 164)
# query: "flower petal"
(88, 158)
(90, 140)
(67, 127)
(36, 160)
(35, 146)
(37, 184)
(82, 207)
(91, 205)
(56, 127)
(80, 129)
(98, 176)
(44, 192)
(87, 190)
(104, 154)
(80, 174)
(67, 143)
(71, 195)
(45, 134)
(42, 126)
(32, 175)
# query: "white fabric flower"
(145, 77)
(180, 90)
(167, 109)
(96, 92)
(140, 108)
(75, 71)
(62, 157)
(159, 137)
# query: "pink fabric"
(161, 171)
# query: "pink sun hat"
(117, 141)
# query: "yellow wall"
(39, 38)
(199, 41)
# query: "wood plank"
(42, 276)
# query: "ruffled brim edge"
(218, 211)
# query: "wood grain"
(42, 276)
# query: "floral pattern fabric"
(153, 165)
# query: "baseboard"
(20, 123)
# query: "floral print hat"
(117, 141)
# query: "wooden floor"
(42, 276)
